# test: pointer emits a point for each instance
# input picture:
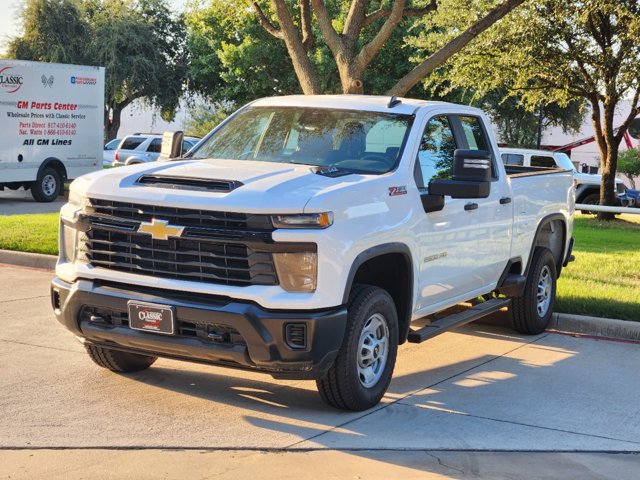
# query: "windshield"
(362, 142)
(564, 161)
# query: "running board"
(457, 320)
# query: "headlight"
(68, 238)
(297, 272)
(303, 220)
(69, 214)
(78, 200)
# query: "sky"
(9, 22)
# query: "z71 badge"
(395, 191)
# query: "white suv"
(144, 147)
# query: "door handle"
(471, 206)
(505, 200)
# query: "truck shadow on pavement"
(482, 388)
(527, 385)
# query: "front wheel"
(532, 311)
(117, 361)
(47, 186)
(362, 370)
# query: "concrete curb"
(595, 326)
(560, 322)
(33, 260)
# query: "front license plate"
(151, 317)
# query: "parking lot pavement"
(13, 202)
(479, 389)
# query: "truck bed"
(522, 171)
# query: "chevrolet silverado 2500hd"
(309, 236)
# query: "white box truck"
(51, 125)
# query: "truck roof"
(532, 151)
(374, 103)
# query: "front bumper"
(213, 330)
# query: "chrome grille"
(215, 247)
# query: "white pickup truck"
(309, 236)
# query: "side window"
(155, 146)
(542, 161)
(512, 159)
(474, 133)
(131, 143)
(476, 137)
(435, 157)
(186, 146)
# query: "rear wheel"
(47, 186)
(362, 371)
(118, 361)
(591, 199)
(532, 311)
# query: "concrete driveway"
(480, 389)
(13, 202)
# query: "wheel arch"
(584, 190)
(56, 164)
(388, 266)
(552, 234)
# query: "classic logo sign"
(151, 319)
(160, 229)
(10, 81)
(47, 82)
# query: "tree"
(143, 49)
(203, 118)
(54, 31)
(232, 59)
(354, 20)
(561, 51)
(519, 127)
(139, 42)
(629, 164)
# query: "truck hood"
(257, 187)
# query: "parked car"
(588, 184)
(307, 237)
(144, 147)
(109, 152)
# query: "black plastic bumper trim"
(263, 331)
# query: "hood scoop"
(188, 183)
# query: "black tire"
(370, 309)
(591, 199)
(47, 186)
(117, 361)
(532, 312)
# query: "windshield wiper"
(334, 171)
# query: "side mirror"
(171, 145)
(471, 176)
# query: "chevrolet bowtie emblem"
(160, 229)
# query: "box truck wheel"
(47, 186)
(362, 371)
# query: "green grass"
(604, 280)
(37, 233)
